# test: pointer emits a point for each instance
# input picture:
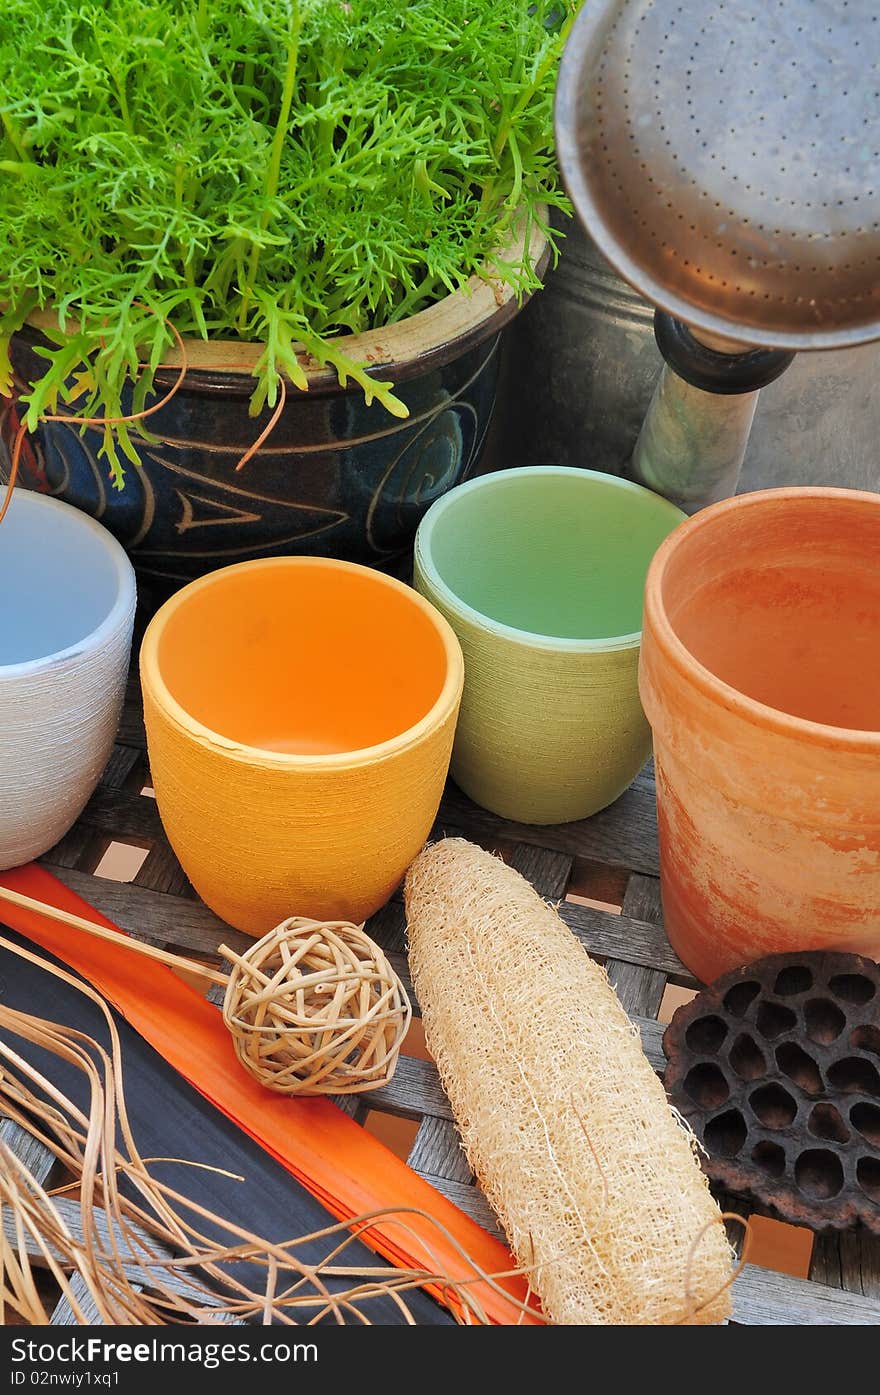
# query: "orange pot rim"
(715, 689)
(443, 707)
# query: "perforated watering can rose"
(721, 158)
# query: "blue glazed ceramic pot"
(335, 478)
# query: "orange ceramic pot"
(300, 714)
(760, 676)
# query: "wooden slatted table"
(611, 859)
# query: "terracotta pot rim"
(528, 638)
(462, 319)
(116, 615)
(437, 714)
(715, 689)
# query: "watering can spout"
(695, 433)
(707, 206)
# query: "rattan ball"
(315, 1008)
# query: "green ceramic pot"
(540, 571)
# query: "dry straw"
(564, 1122)
(152, 1255)
(149, 1255)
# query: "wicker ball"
(315, 1008)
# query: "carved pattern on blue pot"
(336, 478)
(427, 466)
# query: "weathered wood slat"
(850, 1262)
(388, 927)
(122, 762)
(82, 847)
(861, 1263)
(132, 1262)
(163, 918)
(413, 1092)
(161, 871)
(131, 726)
(733, 1206)
(467, 1198)
(763, 1297)
(122, 814)
(547, 870)
(825, 1261)
(641, 900)
(437, 1151)
(64, 1316)
(37, 1158)
(639, 987)
(640, 990)
(611, 936)
(625, 835)
(353, 1105)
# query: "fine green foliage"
(280, 171)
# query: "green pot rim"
(460, 608)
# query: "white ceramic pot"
(67, 599)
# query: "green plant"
(281, 171)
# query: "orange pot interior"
(783, 604)
(307, 658)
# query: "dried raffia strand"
(313, 1008)
(150, 1262)
(141, 1256)
(268, 428)
(563, 1120)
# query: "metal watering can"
(725, 159)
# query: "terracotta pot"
(760, 675)
(337, 478)
(299, 714)
(541, 572)
(65, 640)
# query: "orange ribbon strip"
(342, 1165)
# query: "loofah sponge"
(563, 1120)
